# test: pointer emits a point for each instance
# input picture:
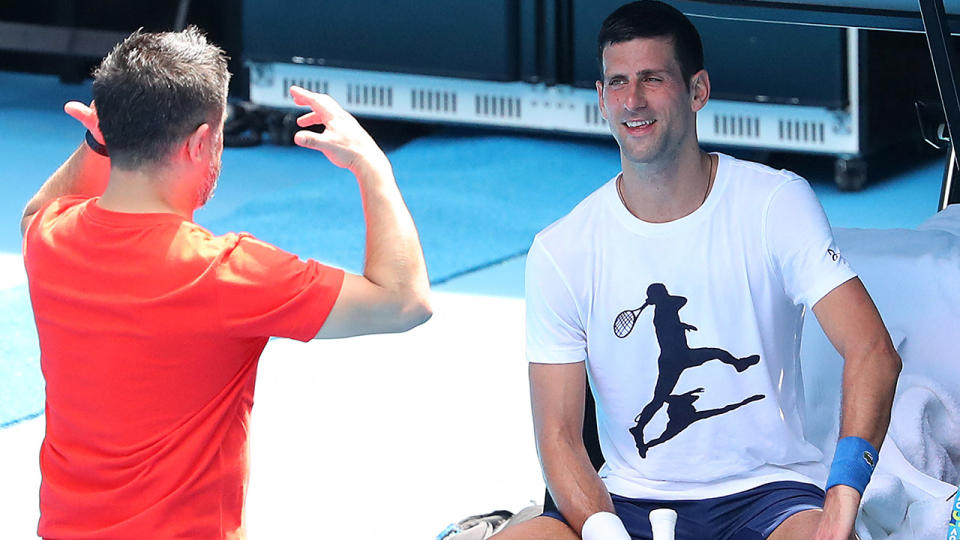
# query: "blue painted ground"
(478, 198)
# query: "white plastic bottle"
(663, 521)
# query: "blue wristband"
(853, 463)
(95, 145)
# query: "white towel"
(926, 518)
(927, 427)
(906, 498)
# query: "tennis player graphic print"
(675, 357)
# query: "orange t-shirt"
(150, 329)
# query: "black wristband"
(95, 145)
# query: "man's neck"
(142, 191)
(667, 191)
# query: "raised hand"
(86, 115)
(392, 294)
(345, 143)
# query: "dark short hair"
(154, 89)
(651, 19)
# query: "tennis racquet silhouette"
(623, 324)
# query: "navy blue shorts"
(749, 515)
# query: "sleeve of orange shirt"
(266, 291)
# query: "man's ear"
(197, 143)
(603, 109)
(699, 90)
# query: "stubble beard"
(643, 152)
(209, 185)
(663, 146)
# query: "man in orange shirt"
(151, 327)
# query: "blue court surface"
(433, 424)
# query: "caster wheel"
(850, 174)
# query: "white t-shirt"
(710, 368)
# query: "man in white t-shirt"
(678, 291)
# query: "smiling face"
(646, 101)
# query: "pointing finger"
(321, 104)
(300, 96)
(86, 116)
(304, 97)
(77, 110)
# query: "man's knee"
(538, 528)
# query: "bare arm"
(84, 173)
(871, 367)
(557, 397)
(392, 295)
